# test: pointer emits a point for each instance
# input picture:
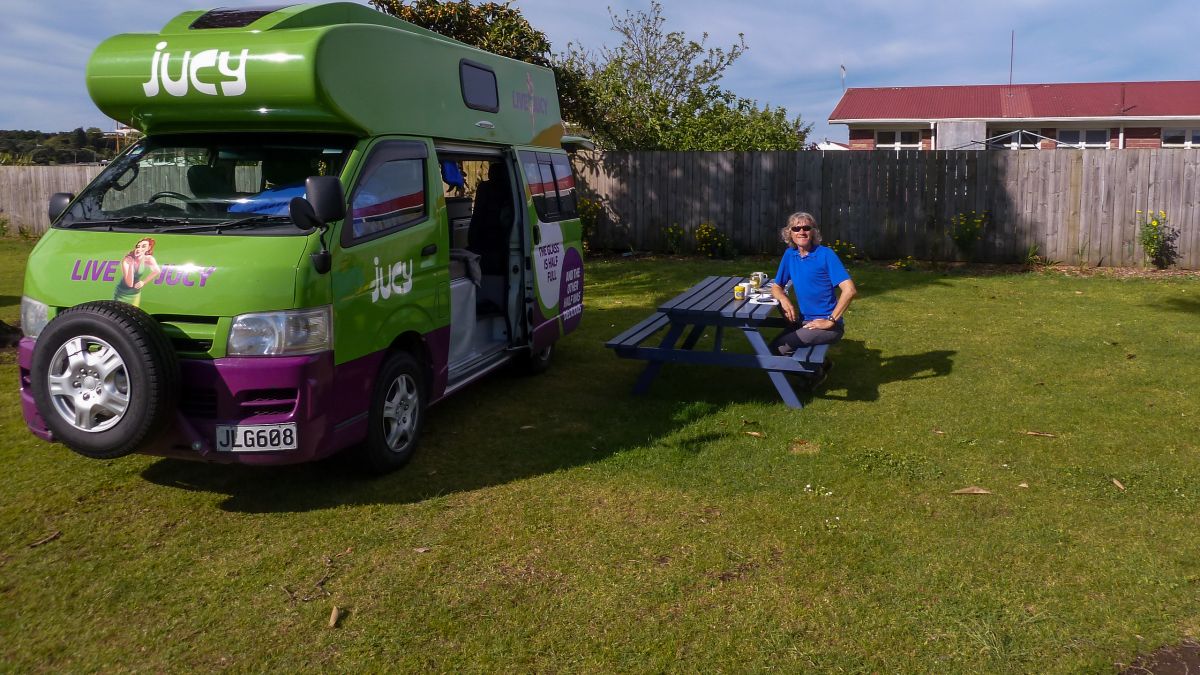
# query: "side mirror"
(59, 201)
(306, 218)
(326, 196)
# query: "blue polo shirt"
(813, 278)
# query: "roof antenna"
(1012, 50)
(843, 78)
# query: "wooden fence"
(25, 192)
(1075, 206)
(1078, 207)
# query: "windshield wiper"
(126, 220)
(231, 224)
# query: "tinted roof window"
(233, 17)
(479, 86)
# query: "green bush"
(1157, 238)
(589, 216)
(966, 229)
(673, 234)
(845, 250)
(712, 242)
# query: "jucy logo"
(384, 284)
(189, 73)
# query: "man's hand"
(789, 310)
(820, 324)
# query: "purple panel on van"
(328, 404)
(570, 291)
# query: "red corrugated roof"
(1018, 101)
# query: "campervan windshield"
(208, 181)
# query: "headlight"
(34, 316)
(297, 331)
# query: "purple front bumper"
(328, 405)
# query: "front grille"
(201, 403)
(187, 345)
(260, 402)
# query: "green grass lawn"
(559, 523)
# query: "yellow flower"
(1154, 222)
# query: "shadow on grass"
(861, 370)
(509, 428)
(1185, 305)
(504, 429)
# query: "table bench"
(710, 303)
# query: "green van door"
(390, 278)
(557, 256)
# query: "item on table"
(739, 292)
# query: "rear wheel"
(397, 414)
(104, 377)
(536, 363)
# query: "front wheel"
(105, 378)
(397, 414)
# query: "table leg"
(668, 342)
(782, 385)
(694, 336)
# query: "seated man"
(815, 272)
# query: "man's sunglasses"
(801, 228)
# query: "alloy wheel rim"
(89, 384)
(400, 413)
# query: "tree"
(659, 90)
(494, 27)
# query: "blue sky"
(793, 61)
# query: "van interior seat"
(209, 181)
(491, 220)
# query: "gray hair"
(785, 234)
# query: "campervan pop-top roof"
(337, 67)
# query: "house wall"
(862, 139)
(1143, 137)
(1136, 138)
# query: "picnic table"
(710, 304)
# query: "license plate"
(256, 437)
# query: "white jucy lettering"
(384, 284)
(189, 73)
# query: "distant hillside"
(64, 147)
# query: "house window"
(1181, 138)
(1012, 139)
(897, 140)
(1083, 138)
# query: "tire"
(536, 363)
(396, 416)
(105, 378)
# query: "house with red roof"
(1111, 115)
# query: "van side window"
(551, 184)
(478, 86)
(390, 194)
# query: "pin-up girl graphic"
(138, 268)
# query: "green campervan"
(334, 219)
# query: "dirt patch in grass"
(1180, 659)
(1123, 272)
